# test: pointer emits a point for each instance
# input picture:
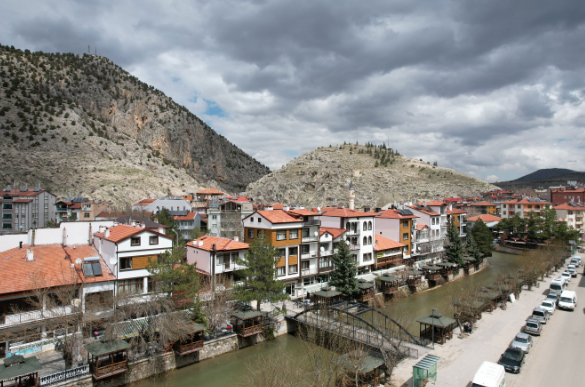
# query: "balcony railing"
(312, 254)
(354, 247)
(353, 232)
(110, 369)
(310, 271)
(312, 222)
(325, 269)
(310, 238)
(326, 253)
(19, 318)
(184, 349)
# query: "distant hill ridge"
(83, 124)
(544, 178)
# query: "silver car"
(554, 298)
(532, 327)
(522, 341)
(573, 272)
(540, 314)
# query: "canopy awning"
(246, 314)
(437, 319)
(23, 367)
(106, 347)
(359, 361)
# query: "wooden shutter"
(281, 262)
(293, 259)
(142, 262)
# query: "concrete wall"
(11, 241)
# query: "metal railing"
(309, 271)
(312, 222)
(61, 376)
(310, 238)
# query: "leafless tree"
(218, 303)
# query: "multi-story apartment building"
(564, 195)
(440, 207)
(225, 217)
(328, 240)
(26, 208)
(284, 231)
(216, 256)
(428, 241)
(359, 235)
(156, 205)
(187, 222)
(397, 225)
(209, 194)
(572, 213)
(522, 207)
(79, 209)
(459, 220)
(388, 252)
(481, 208)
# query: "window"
(367, 257)
(126, 263)
(153, 240)
(7, 206)
(305, 249)
(252, 219)
(325, 262)
(6, 216)
(135, 241)
(282, 252)
(369, 225)
(259, 233)
(365, 241)
(214, 217)
(292, 269)
(280, 271)
(280, 235)
(6, 225)
(132, 286)
(293, 234)
(152, 285)
(405, 236)
(369, 240)
(250, 234)
(405, 224)
(293, 251)
(99, 301)
(305, 265)
(365, 226)
(259, 220)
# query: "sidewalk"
(460, 358)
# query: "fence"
(61, 376)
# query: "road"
(557, 356)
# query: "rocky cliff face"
(83, 124)
(379, 176)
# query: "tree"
(343, 277)
(472, 248)
(261, 273)
(51, 223)
(518, 224)
(534, 225)
(455, 247)
(73, 217)
(196, 233)
(483, 237)
(549, 216)
(563, 233)
(165, 218)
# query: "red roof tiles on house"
(277, 206)
(485, 218)
(209, 191)
(455, 211)
(145, 202)
(345, 213)
(189, 216)
(302, 212)
(383, 244)
(278, 216)
(567, 206)
(524, 201)
(334, 232)
(423, 210)
(87, 251)
(482, 203)
(122, 232)
(394, 214)
(221, 244)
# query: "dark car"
(512, 360)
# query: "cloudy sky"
(494, 88)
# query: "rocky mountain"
(83, 124)
(379, 176)
(544, 178)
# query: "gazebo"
(108, 358)
(191, 339)
(433, 273)
(389, 284)
(436, 326)
(367, 367)
(446, 267)
(248, 322)
(468, 262)
(366, 291)
(326, 297)
(413, 277)
(24, 371)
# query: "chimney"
(64, 236)
(366, 209)
(115, 223)
(90, 236)
(20, 245)
(200, 243)
(142, 225)
(30, 255)
(107, 235)
(236, 238)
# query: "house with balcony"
(428, 242)
(522, 206)
(23, 208)
(328, 241)
(397, 224)
(490, 220)
(216, 256)
(482, 208)
(283, 231)
(208, 194)
(572, 213)
(225, 216)
(186, 223)
(359, 235)
(564, 195)
(127, 249)
(459, 219)
(389, 253)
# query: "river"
(230, 369)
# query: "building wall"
(199, 257)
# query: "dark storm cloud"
(446, 79)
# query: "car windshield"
(565, 274)
(521, 340)
(555, 287)
(537, 313)
(547, 304)
(513, 355)
(566, 299)
(532, 325)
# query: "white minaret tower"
(351, 196)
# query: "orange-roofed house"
(284, 231)
(216, 255)
(388, 252)
(208, 194)
(328, 239)
(522, 207)
(126, 250)
(573, 213)
(458, 217)
(397, 225)
(481, 208)
(187, 222)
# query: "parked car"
(540, 315)
(532, 327)
(489, 375)
(552, 297)
(573, 272)
(576, 261)
(522, 341)
(567, 275)
(568, 300)
(549, 306)
(512, 360)
(557, 286)
(571, 266)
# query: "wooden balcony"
(325, 269)
(250, 330)
(105, 371)
(389, 289)
(414, 282)
(187, 348)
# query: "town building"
(24, 208)
(572, 213)
(565, 195)
(490, 220)
(224, 217)
(458, 217)
(481, 208)
(522, 207)
(187, 223)
(388, 252)
(74, 209)
(329, 239)
(158, 204)
(428, 241)
(209, 194)
(397, 225)
(216, 256)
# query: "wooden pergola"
(390, 284)
(23, 371)
(248, 322)
(436, 326)
(413, 277)
(108, 358)
(360, 365)
(191, 339)
(432, 273)
(326, 297)
(367, 291)
(469, 261)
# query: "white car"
(566, 275)
(573, 272)
(564, 281)
(571, 267)
(549, 306)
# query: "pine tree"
(472, 249)
(343, 277)
(483, 237)
(261, 274)
(455, 248)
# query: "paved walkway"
(460, 358)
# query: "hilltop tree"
(343, 277)
(455, 247)
(483, 237)
(261, 274)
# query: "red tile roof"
(482, 203)
(335, 232)
(189, 216)
(27, 193)
(423, 210)
(278, 216)
(567, 206)
(485, 218)
(22, 201)
(221, 244)
(145, 202)
(421, 227)
(436, 203)
(569, 190)
(277, 206)
(87, 251)
(523, 201)
(345, 213)
(455, 211)
(209, 191)
(394, 214)
(383, 244)
(122, 232)
(302, 212)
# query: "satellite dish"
(322, 248)
(113, 261)
(78, 261)
(316, 233)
